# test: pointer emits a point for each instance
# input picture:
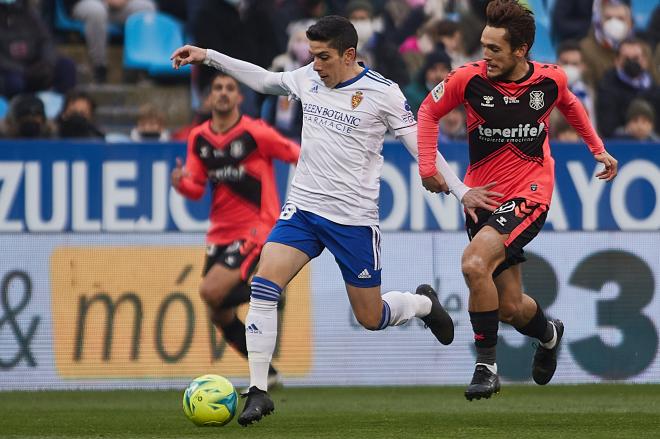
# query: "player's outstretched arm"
(255, 77)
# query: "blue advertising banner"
(49, 186)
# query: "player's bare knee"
(474, 267)
(209, 295)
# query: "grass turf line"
(583, 411)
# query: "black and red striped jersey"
(507, 125)
(238, 165)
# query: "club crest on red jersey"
(536, 100)
(356, 99)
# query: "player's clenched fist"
(178, 173)
(187, 55)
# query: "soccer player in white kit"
(333, 200)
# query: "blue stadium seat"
(4, 107)
(53, 103)
(642, 11)
(149, 40)
(64, 22)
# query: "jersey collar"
(528, 75)
(355, 79)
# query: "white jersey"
(338, 172)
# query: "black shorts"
(520, 218)
(240, 254)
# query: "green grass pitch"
(583, 411)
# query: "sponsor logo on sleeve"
(438, 91)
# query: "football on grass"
(210, 400)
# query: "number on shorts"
(287, 211)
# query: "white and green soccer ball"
(210, 400)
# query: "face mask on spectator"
(416, 3)
(615, 29)
(300, 51)
(425, 44)
(573, 74)
(76, 125)
(364, 29)
(150, 135)
(29, 128)
(632, 68)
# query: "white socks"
(260, 336)
(404, 306)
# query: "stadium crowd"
(612, 62)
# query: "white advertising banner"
(118, 310)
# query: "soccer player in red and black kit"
(234, 153)
(508, 100)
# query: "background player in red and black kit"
(234, 153)
(508, 101)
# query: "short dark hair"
(221, 74)
(446, 28)
(568, 46)
(633, 41)
(75, 95)
(337, 31)
(640, 108)
(516, 19)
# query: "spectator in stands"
(28, 59)
(96, 15)
(629, 79)
(449, 34)
(286, 114)
(653, 34)
(77, 117)
(640, 123)
(569, 57)
(241, 29)
(415, 48)
(374, 49)
(437, 66)
(571, 19)
(151, 125)
(185, 11)
(562, 131)
(653, 30)
(452, 126)
(611, 24)
(26, 118)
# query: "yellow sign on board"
(134, 312)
